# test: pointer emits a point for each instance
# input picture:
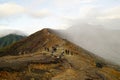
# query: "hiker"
(54, 49)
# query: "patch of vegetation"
(99, 65)
(9, 39)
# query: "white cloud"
(2, 27)
(83, 12)
(86, 14)
(110, 14)
(88, 11)
(93, 14)
(41, 13)
(12, 9)
(9, 9)
(110, 18)
(87, 1)
(34, 3)
(72, 1)
(64, 3)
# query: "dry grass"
(69, 74)
(110, 71)
(78, 66)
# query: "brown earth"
(46, 56)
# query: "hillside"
(10, 39)
(45, 56)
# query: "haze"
(100, 41)
(91, 24)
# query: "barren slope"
(45, 56)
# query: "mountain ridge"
(46, 56)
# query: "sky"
(32, 15)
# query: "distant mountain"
(46, 56)
(10, 39)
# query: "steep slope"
(9, 39)
(46, 56)
(32, 43)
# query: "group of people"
(58, 54)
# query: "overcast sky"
(32, 15)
